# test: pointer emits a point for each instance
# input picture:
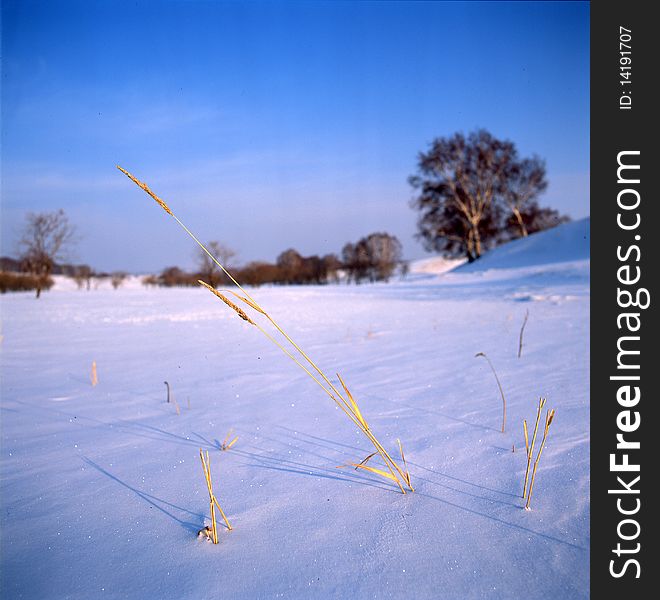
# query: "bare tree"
(82, 275)
(524, 181)
(384, 252)
(459, 178)
(45, 238)
(290, 263)
(475, 192)
(374, 257)
(331, 267)
(209, 271)
(117, 278)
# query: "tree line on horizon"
(376, 257)
(472, 193)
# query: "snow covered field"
(102, 489)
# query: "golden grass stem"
(213, 501)
(226, 443)
(550, 415)
(94, 377)
(530, 447)
(347, 404)
(499, 385)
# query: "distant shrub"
(81, 274)
(259, 273)
(373, 258)
(150, 280)
(23, 282)
(117, 279)
(173, 276)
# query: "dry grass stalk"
(95, 378)
(522, 330)
(168, 391)
(405, 466)
(549, 416)
(499, 385)
(292, 350)
(213, 501)
(176, 406)
(530, 447)
(226, 444)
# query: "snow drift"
(102, 489)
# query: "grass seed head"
(239, 311)
(145, 187)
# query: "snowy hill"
(435, 265)
(565, 243)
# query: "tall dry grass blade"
(213, 501)
(94, 376)
(364, 461)
(499, 385)
(348, 406)
(354, 406)
(550, 415)
(207, 475)
(522, 330)
(222, 513)
(372, 470)
(405, 465)
(530, 448)
(526, 454)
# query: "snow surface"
(102, 489)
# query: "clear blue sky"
(269, 125)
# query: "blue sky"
(269, 125)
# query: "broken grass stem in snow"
(294, 352)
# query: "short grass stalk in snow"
(549, 416)
(213, 501)
(529, 448)
(499, 386)
(168, 391)
(95, 378)
(522, 330)
(226, 444)
(292, 350)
